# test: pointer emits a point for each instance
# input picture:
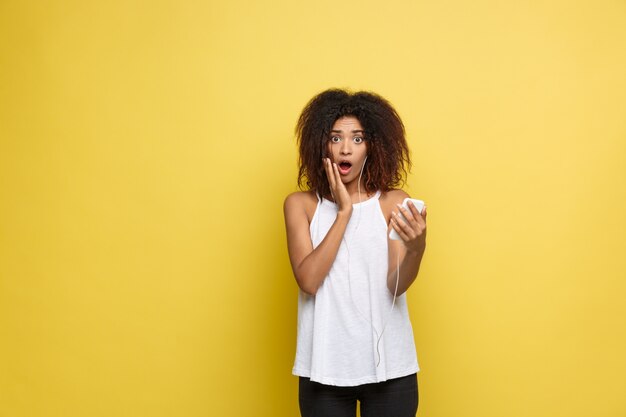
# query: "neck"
(353, 191)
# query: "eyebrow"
(341, 131)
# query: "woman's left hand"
(413, 231)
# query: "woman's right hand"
(311, 265)
(337, 188)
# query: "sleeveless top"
(339, 327)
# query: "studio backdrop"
(146, 148)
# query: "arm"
(310, 266)
(410, 249)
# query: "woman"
(355, 340)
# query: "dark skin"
(311, 266)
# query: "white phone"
(419, 205)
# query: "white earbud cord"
(378, 337)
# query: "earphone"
(385, 322)
(395, 293)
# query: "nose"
(346, 148)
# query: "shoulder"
(300, 198)
(393, 197)
(389, 199)
(300, 202)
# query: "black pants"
(393, 398)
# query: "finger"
(419, 217)
(329, 173)
(396, 226)
(424, 214)
(408, 215)
(408, 231)
(331, 179)
(338, 182)
(336, 173)
(414, 211)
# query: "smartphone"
(419, 205)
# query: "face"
(347, 147)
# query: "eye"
(358, 139)
(335, 139)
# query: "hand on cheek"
(337, 188)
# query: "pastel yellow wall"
(146, 148)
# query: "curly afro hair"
(387, 155)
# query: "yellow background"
(147, 147)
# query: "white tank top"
(338, 328)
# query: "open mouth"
(344, 167)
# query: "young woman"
(355, 340)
